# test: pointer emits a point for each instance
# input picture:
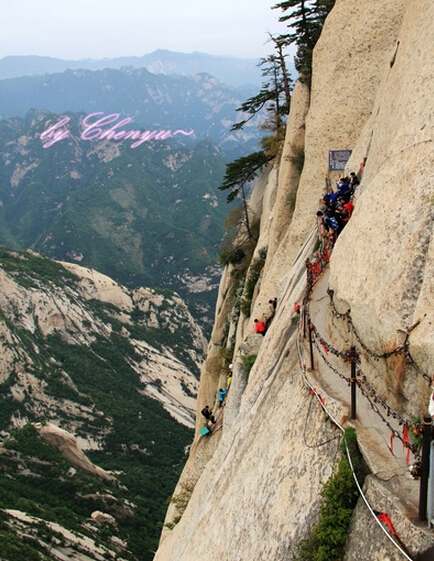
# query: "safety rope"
(306, 424)
(376, 518)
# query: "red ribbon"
(392, 436)
(406, 443)
(384, 518)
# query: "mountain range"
(233, 71)
(199, 103)
(150, 215)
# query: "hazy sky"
(76, 29)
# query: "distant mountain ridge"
(229, 70)
(198, 102)
(150, 215)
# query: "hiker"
(229, 376)
(347, 205)
(207, 413)
(222, 392)
(330, 221)
(343, 188)
(273, 304)
(354, 181)
(342, 216)
(259, 327)
(330, 198)
(228, 379)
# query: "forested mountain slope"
(90, 366)
(150, 215)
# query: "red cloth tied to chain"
(384, 518)
(392, 436)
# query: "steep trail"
(374, 436)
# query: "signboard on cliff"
(338, 159)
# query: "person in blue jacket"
(222, 392)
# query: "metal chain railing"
(314, 271)
(314, 393)
(401, 349)
(370, 393)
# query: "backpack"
(332, 222)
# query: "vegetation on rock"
(88, 380)
(338, 498)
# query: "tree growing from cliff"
(275, 93)
(305, 20)
(275, 98)
(239, 174)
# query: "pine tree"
(275, 93)
(305, 21)
(238, 174)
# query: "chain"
(395, 433)
(328, 363)
(345, 355)
(412, 363)
(370, 393)
(398, 350)
(314, 271)
(378, 399)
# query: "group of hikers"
(206, 411)
(261, 326)
(336, 206)
(333, 214)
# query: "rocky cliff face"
(256, 479)
(66, 301)
(108, 377)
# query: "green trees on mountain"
(305, 20)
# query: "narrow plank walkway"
(372, 433)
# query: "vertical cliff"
(257, 478)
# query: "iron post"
(352, 358)
(311, 347)
(423, 490)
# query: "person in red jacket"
(259, 327)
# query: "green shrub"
(326, 541)
(231, 255)
(254, 273)
(297, 157)
(248, 362)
